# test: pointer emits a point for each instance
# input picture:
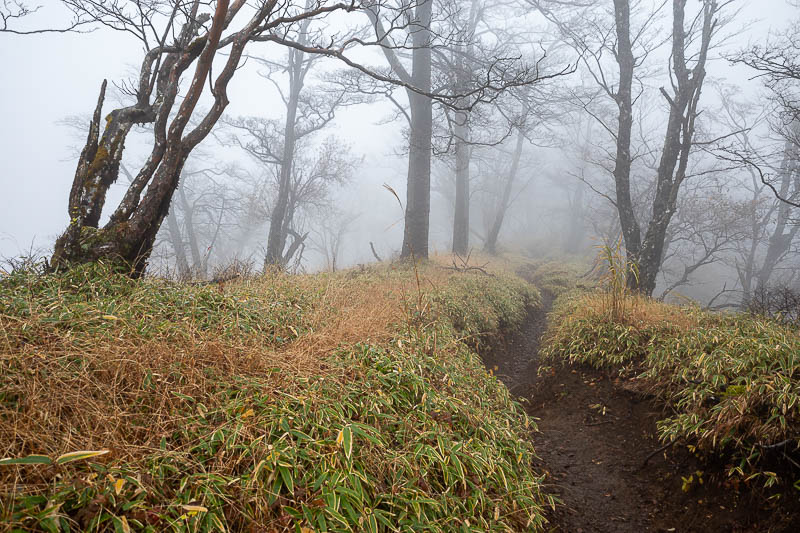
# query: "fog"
(561, 203)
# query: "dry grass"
(640, 312)
(500, 264)
(122, 396)
(195, 382)
(83, 395)
(81, 391)
(355, 308)
(585, 328)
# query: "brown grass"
(84, 401)
(641, 312)
(350, 310)
(78, 397)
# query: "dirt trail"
(594, 436)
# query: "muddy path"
(594, 436)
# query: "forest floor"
(593, 439)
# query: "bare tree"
(179, 37)
(776, 63)
(206, 213)
(596, 34)
(503, 202)
(328, 238)
(784, 229)
(14, 12)
(690, 44)
(480, 38)
(531, 112)
(576, 188)
(772, 181)
(446, 67)
(687, 76)
(462, 56)
(418, 201)
(309, 109)
(298, 178)
(707, 226)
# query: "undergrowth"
(346, 402)
(477, 304)
(91, 302)
(731, 382)
(552, 277)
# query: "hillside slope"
(347, 402)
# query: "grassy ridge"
(552, 277)
(731, 382)
(347, 402)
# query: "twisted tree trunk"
(129, 235)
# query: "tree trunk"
(176, 239)
(575, 235)
(276, 240)
(418, 194)
(490, 246)
(624, 99)
(461, 218)
(747, 272)
(142, 228)
(781, 240)
(462, 132)
(665, 200)
(298, 243)
(191, 233)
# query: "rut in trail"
(593, 438)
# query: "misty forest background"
(318, 135)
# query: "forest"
(400, 265)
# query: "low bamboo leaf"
(194, 508)
(27, 460)
(79, 456)
(345, 440)
(288, 480)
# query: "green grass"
(478, 304)
(731, 382)
(553, 277)
(225, 410)
(93, 302)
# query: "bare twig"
(780, 444)
(656, 452)
(374, 253)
